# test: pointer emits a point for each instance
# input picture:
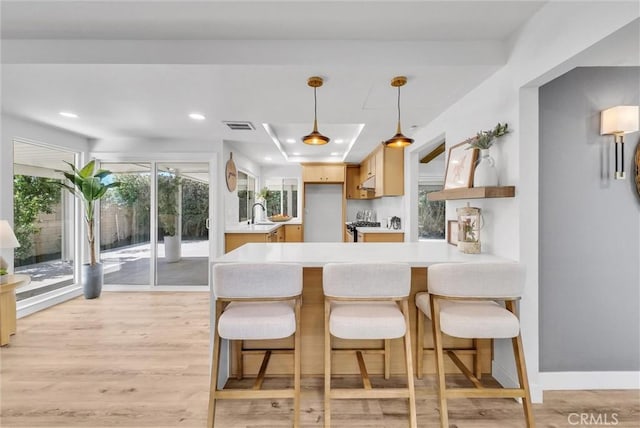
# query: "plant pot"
(172, 249)
(92, 279)
(485, 174)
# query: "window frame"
(249, 198)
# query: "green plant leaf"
(87, 170)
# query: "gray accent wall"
(589, 226)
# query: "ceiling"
(249, 61)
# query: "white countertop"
(312, 254)
(378, 230)
(259, 228)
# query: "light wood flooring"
(142, 360)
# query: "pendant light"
(398, 140)
(315, 138)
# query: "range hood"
(369, 183)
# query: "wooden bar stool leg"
(420, 345)
(387, 358)
(239, 344)
(215, 364)
(327, 366)
(477, 368)
(296, 368)
(437, 344)
(518, 353)
(409, 366)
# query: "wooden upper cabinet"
(389, 171)
(353, 182)
(323, 173)
(368, 167)
(386, 164)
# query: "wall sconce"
(618, 121)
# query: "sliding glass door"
(183, 223)
(154, 227)
(125, 224)
(44, 219)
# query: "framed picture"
(460, 162)
(452, 232)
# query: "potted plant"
(3, 275)
(485, 173)
(169, 215)
(89, 186)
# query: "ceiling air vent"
(240, 126)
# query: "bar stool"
(463, 303)
(367, 301)
(424, 310)
(256, 301)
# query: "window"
(44, 219)
(431, 215)
(283, 196)
(246, 195)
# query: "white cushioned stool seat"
(472, 319)
(257, 320)
(366, 320)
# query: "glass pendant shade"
(315, 138)
(398, 140)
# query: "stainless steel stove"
(352, 228)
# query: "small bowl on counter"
(279, 218)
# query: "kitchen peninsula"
(313, 256)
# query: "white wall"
(244, 164)
(432, 171)
(281, 171)
(389, 206)
(545, 43)
(587, 220)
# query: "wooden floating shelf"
(473, 193)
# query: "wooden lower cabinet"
(235, 240)
(293, 232)
(284, 233)
(380, 237)
(312, 327)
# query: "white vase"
(485, 174)
(172, 249)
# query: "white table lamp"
(7, 239)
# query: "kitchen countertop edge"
(260, 228)
(416, 254)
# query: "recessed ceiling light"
(339, 141)
(296, 153)
(335, 154)
(68, 114)
(197, 116)
(291, 141)
(267, 158)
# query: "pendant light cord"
(398, 103)
(315, 105)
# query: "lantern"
(469, 229)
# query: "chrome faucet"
(253, 212)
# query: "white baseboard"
(589, 380)
(46, 300)
(508, 380)
(146, 288)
